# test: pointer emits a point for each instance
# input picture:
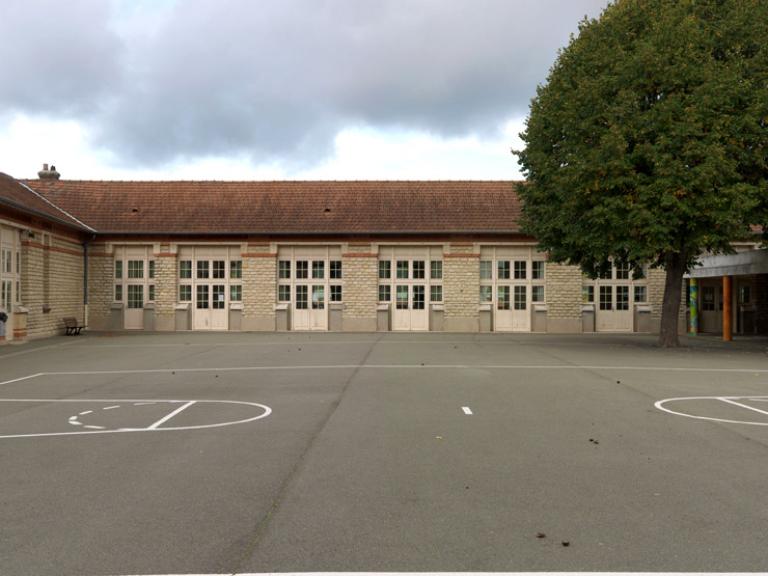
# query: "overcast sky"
(273, 89)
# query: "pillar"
(693, 320)
(727, 314)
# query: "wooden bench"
(72, 326)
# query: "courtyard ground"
(237, 453)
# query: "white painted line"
(467, 411)
(729, 401)
(661, 406)
(171, 415)
(75, 423)
(111, 407)
(73, 417)
(85, 412)
(22, 378)
(140, 404)
(94, 427)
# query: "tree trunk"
(674, 264)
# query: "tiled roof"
(18, 195)
(288, 207)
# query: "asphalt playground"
(240, 453)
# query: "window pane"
(537, 273)
(219, 297)
(418, 297)
(203, 269)
(302, 269)
(235, 293)
(708, 298)
(401, 295)
(335, 293)
(318, 269)
(622, 271)
(385, 293)
(503, 270)
(640, 294)
(537, 294)
(135, 295)
(502, 298)
(202, 297)
(151, 268)
(606, 298)
(385, 269)
(335, 269)
(622, 297)
(135, 268)
(118, 293)
(418, 269)
(284, 267)
(284, 293)
(402, 268)
(521, 301)
(185, 269)
(587, 294)
(521, 267)
(151, 295)
(436, 269)
(318, 297)
(745, 294)
(236, 269)
(486, 270)
(436, 294)
(219, 269)
(302, 300)
(185, 293)
(118, 269)
(486, 293)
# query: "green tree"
(648, 141)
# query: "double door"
(512, 313)
(310, 309)
(211, 310)
(614, 310)
(410, 311)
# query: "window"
(385, 293)
(235, 293)
(202, 297)
(185, 293)
(436, 294)
(606, 298)
(622, 271)
(418, 269)
(135, 295)
(185, 269)
(284, 293)
(486, 294)
(502, 298)
(521, 267)
(203, 267)
(385, 269)
(135, 268)
(537, 293)
(745, 294)
(402, 298)
(640, 294)
(18, 292)
(418, 297)
(537, 270)
(486, 270)
(219, 269)
(302, 299)
(521, 297)
(318, 269)
(118, 269)
(7, 261)
(5, 294)
(402, 269)
(236, 269)
(587, 294)
(503, 269)
(335, 293)
(436, 269)
(708, 298)
(118, 292)
(151, 295)
(284, 269)
(302, 269)
(622, 297)
(318, 297)
(335, 269)
(219, 296)
(151, 271)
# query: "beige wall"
(461, 288)
(563, 297)
(259, 288)
(360, 276)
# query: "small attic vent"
(134, 210)
(327, 210)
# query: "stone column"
(360, 276)
(461, 288)
(259, 287)
(563, 296)
(166, 272)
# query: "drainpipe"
(85, 283)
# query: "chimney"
(46, 174)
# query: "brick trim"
(258, 255)
(359, 255)
(30, 244)
(461, 255)
(164, 255)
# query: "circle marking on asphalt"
(730, 400)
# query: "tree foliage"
(649, 140)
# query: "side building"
(274, 256)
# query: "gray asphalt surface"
(368, 462)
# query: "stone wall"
(166, 271)
(461, 288)
(563, 297)
(360, 275)
(259, 286)
(101, 272)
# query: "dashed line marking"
(85, 412)
(112, 407)
(141, 404)
(75, 423)
(467, 410)
(92, 427)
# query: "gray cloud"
(278, 79)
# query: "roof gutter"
(311, 233)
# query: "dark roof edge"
(44, 199)
(27, 210)
(311, 233)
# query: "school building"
(327, 255)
